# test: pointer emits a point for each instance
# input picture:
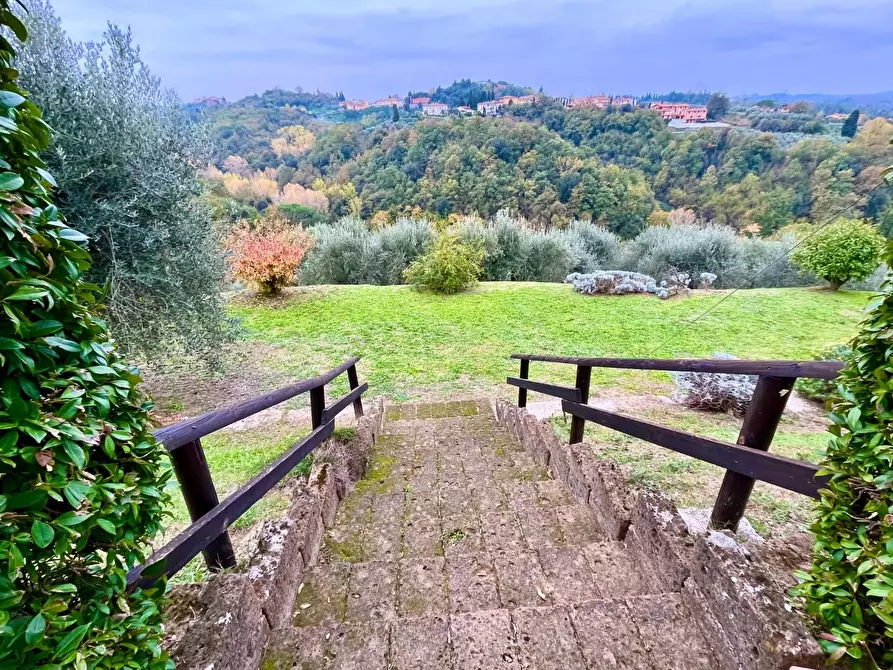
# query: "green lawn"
(412, 341)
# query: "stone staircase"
(459, 551)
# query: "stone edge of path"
(224, 622)
(742, 612)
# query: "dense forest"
(624, 168)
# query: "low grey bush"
(715, 391)
(690, 249)
(765, 264)
(548, 257)
(511, 237)
(345, 253)
(598, 247)
(399, 245)
(621, 282)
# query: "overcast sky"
(369, 48)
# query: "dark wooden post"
(354, 382)
(763, 414)
(317, 405)
(525, 374)
(194, 476)
(578, 425)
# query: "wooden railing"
(211, 518)
(745, 462)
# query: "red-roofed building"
(599, 101)
(416, 103)
(680, 110)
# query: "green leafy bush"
(548, 257)
(848, 590)
(847, 249)
(449, 266)
(81, 476)
(823, 389)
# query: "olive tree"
(127, 159)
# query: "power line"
(749, 281)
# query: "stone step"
(639, 632)
(508, 577)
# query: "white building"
(489, 107)
(435, 109)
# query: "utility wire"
(685, 324)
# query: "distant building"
(464, 110)
(435, 109)
(678, 124)
(490, 107)
(354, 105)
(417, 103)
(390, 101)
(598, 101)
(621, 100)
(837, 116)
(681, 111)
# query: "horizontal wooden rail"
(173, 556)
(809, 369)
(333, 410)
(556, 390)
(785, 472)
(190, 430)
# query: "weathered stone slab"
(388, 508)
(551, 494)
(501, 531)
(578, 524)
(322, 596)
(232, 630)
(539, 526)
(361, 646)
(306, 513)
(568, 575)
(421, 643)
(751, 609)
(483, 640)
(275, 569)
(491, 497)
(521, 579)
(422, 534)
(609, 637)
(546, 639)
(422, 589)
(661, 535)
(672, 638)
(322, 483)
(577, 455)
(383, 541)
(617, 572)
(473, 584)
(456, 500)
(611, 498)
(372, 595)
(292, 648)
(461, 535)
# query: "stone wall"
(223, 624)
(739, 608)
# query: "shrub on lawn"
(823, 389)
(399, 245)
(712, 391)
(689, 249)
(448, 267)
(766, 264)
(548, 257)
(847, 249)
(511, 238)
(345, 253)
(621, 282)
(269, 254)
(848, 590)
(82, 479)
(600, 247)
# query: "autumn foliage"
(268, 255)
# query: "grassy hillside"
(413, 341)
